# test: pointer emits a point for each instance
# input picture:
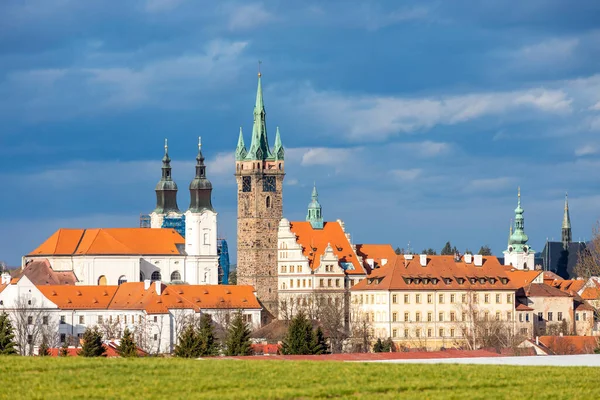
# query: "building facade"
(259, 175)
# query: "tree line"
(449, 250)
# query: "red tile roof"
(39, 272)
(68, 297)
(570, 286)
(522, 307)
(591, 294)
(108, 241)
(541, 290)
(570, 344)
(315, 241)
(376, 252)
(409, 274)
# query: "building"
(562, 257)
(155, 312)
(166, 195)
(259, 173)
(518, 253)
(318, 264)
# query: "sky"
(417, 120)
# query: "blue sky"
(418, 120)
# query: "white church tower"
(201, 229)
(519, 254)
(166, 194)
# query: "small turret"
(166, 188)
(200, 187)
(315, 215)
(240, 151)
(278, 151)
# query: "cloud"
(426, 149)
(595, 107)
(153, 6)
(222, 164)
(550, 50)
(406, 174)
(586, 150)
(490, 184)
(324, 156)
(247, 16)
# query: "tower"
(315, 215)
(566, 225)
(166, 194)
(201, 229)
(259, 175)
(519, 254)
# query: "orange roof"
(570, 344)
(569, 286)
(440, 273)
(68, 297)
(591, 294)
(376, 252)
(315, 241)
(541, 290)
(523, 278)
(108, 241)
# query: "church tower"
(259, 175)
(566, 225)
(315, 212)
(166, 194)
(201, 228)
(519, 254)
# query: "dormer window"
(417, 281)
(492, 280)
(504, 281)
(425, 281)
(472, 280)
(482, 280)
(434, 281)
(447, 281)
(460, 280)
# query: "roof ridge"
(80, 240)
(123, 244)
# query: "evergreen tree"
(189, 343)
(64, 350)
(388, 345)
(429, 252)
(7, 336)
(320, 342)
(485, 251)
(206, 337)
(43, 350)
(447, 250)
(399, 251)
(127, 346)
(300, 338)
(238, 338)
(92, 343)
(378, 346)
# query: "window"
(508, 316)
(441, 332)
(63, 319)
(291, 269)
(497, 299)
(406, 317)
(429, 298)
(395, 299)
(576, 316)
(155, 276)
(418, 316)
(540, 316)
(452, 316)
(321, 282)
(394, 332)
(486, 316)
(155, 337)
(268, 202)
(175, 276)
(155, 318)
(81, 319)
(269, 184)
(464, 298)
(497, 315)
(337, 283)
(550, 316)
(452, 298)
(63, 337)
(246, 184)
(464, 316)
(451, 332)
(526, 317)
(406, 333)
(328, 282)
(30, 320)
(102, 281)
(299, 268)
(394, 317)
(584, 316)
(486, 298)
(509, 298)
(291, 283)
(441, 298)
(523, 331)
(520, 317)
(441, 317)
(100, 319)
(283, 268)
(429, 316)
(429, 332)
(310, 283)
(418, 298)
(406, 299)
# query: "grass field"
(37, 378)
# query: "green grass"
(139, 379)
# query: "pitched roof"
(569, 285)
(69, 297)
(40, 272)
(522, 278)
(376, 252)
(405, 274)
(109, 241)
(591, 294)
(570, 344)
(522, 307)
(315, 241)
(541, 290)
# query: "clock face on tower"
(269, 184)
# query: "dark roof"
(541, 290)
(39, 272)
(559, 261)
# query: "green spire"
(510, 232)
(519, 239)
(315, 215)
(259, 147)
(240, 151)
(278, 151)
(566, 225)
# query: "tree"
(238, 337)
(92, 343)
(43, 350)
(300, 338)
(399, 251)
(388, 345)
(64, 350)
(485, 251)
(447, 250)
(208, 345)
(127, 347)
(233, 277)
(7, 336)
(588, 259)
(188, 345)
(31, 323)
(378, 346)
(320, 342)
(429, 252)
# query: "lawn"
(61, 378)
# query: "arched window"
(102, 281)
(175, 276)
(280, 166)
(283, 285)
(524, 265)
(268, 201)
(122, 279)
(155, 276)
(142, 276)
(206, 241)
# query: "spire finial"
(566, 201)
(199, 142)
(259, 74)
(166, 146)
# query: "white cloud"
(153, 6)
(406, 174)
(222, 164)
(489, 184)
(548, 50)
(247, 16)
(586, 150)
(595, 107)
(322, 155)
(425, 149)
(291, 182)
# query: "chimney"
(468, 258)
(408, 256)
(478, 259)
(158, 286)
(6, 278)
(423, 260)
(147, 284)
(371, 263)
(383, 261)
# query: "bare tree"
(361, 332)
(588, 259)
(332, 316)
(182, 318)
(110, 328)
(30, 323)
